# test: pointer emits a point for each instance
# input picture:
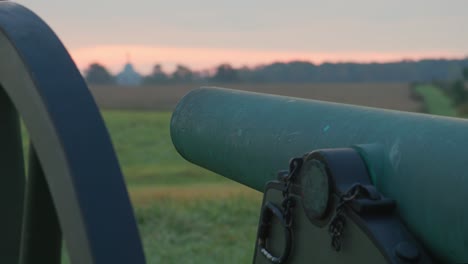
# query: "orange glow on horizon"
(145, 57)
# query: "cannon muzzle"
(418, 160)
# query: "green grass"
(435, 101)
(185, 214)
(145, 151)
(199, 231)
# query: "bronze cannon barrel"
(419, 160)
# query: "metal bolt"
(407, 251)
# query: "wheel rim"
(70, 139)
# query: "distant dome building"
(128, 76)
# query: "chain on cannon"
(284, 215)
(73, 173)
(343, 218)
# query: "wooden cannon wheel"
(74, 183)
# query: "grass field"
(208, 230)
(435, 101)
(185, 214)
(145, 150)
(395, 96)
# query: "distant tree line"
(301, 72)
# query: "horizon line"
(253, 67)
(207, 59)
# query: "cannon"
(361, 185)
(341, 183)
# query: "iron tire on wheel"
(72, 152)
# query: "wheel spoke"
(12, 181)
(42, 237)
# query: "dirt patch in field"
(165, 97)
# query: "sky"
(204, 33)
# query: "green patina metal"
(418, 160)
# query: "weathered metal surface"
(70, 139)
(418, 160)
(312, 244)
(352, 201)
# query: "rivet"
(407, 251)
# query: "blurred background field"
(395, 96)
(435, 101)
